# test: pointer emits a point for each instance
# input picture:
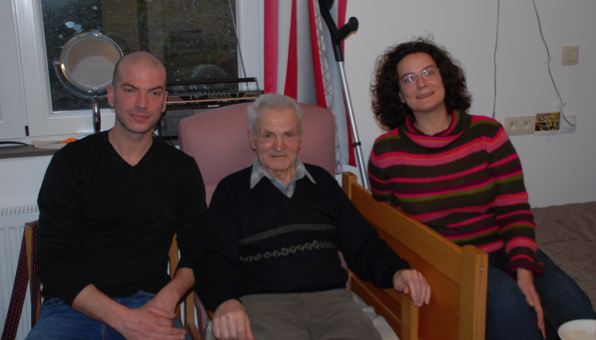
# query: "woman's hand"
(525, 282)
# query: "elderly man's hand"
(230, 321)
(410, 281)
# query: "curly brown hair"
(387, 106)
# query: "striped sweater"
(465, 183)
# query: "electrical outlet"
(521, 125)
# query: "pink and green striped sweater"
(465, 182)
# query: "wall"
(20, 180)
(557, 167)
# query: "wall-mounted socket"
(522, 125)
(569, 55)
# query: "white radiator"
(12, 226)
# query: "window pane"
(195, 39)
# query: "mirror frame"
(73, 42)
(82, 90)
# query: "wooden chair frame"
(30, 253)
(188, 321)
(457, 276)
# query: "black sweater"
(258, 240)
(107, 223)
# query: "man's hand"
(230, 322)
(148, 322)
(410, 281)
(168, 297)
(152, 321)
(525, 282)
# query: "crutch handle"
(349, 27)
(337, 36)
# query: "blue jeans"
(57, 320)
(508, 315)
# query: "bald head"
(138, 58)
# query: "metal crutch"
(337, 36)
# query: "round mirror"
(87, 62)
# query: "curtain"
(299, 62)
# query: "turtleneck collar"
(439, 140)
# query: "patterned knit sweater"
(465, 183)
(259, 241)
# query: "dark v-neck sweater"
(259, 241)
(107, 223)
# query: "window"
(47, 113)
(194, 39)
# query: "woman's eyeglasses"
(410, 79)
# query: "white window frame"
(12, 110)
(251, 28)
(40, 118)
(27, 74)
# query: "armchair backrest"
(218, 141)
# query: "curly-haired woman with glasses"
(460, 175)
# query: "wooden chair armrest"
(188, 300)
(189, 316)
(395, 307)
(457, 275)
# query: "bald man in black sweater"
(110, 205)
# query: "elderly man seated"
(268, 253)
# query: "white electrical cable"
(495, 58)
(561, 104)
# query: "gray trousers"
(323, 315)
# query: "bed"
(567, 234)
